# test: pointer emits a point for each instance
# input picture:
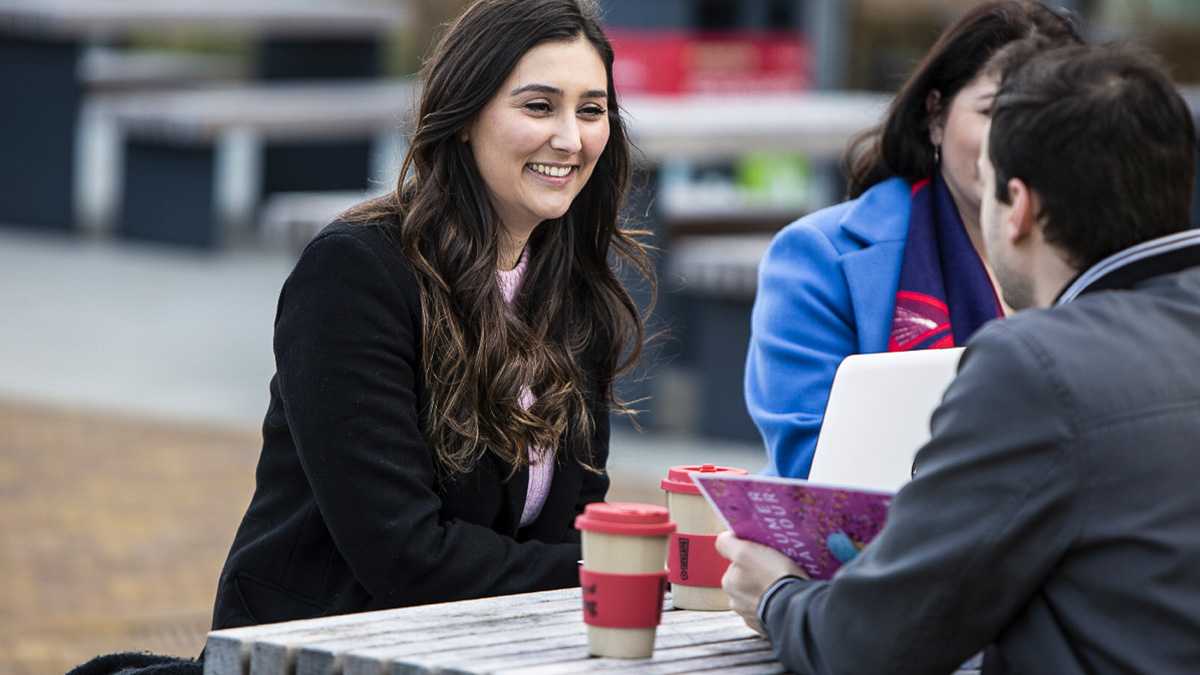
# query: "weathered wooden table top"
(537, 633)
(534, 633)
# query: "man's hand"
(755, 567)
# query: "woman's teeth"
(547, 170)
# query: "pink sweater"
(542, 471)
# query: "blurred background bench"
(197, 163)
(45, 44)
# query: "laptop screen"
(878, 416)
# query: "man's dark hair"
(1104, 138)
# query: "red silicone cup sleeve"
(622, 600)
(692, 560)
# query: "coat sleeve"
(968, 542)
(347, 345)
(802, 327)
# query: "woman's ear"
(933, 110)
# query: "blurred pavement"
(184, 336)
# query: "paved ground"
(114, 531)
(132, 383)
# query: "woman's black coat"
(347, 515)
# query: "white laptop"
(878, 417)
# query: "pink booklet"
(819, 526)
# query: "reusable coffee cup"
(623, 576)
(693, 565)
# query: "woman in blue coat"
(899, 266)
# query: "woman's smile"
(553, 171)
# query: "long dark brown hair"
(900, 145)
(573, 327)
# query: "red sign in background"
(708, 62)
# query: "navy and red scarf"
(945, 293)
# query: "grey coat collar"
(1163, 255)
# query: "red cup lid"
(679, 479)
(644, 520)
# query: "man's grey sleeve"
(968, 541)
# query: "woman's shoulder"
(376, 234)
(359, 247)
(880, 214)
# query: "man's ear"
(933, 111)
(1024, 217)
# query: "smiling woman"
(445, 355)
(537, 141)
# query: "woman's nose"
(566, 136)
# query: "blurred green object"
(774, 179)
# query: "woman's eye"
(538, 106)
(592, 111)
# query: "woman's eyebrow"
(555, 91)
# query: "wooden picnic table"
(531, 634)
(535, 633)
(706, 127)
(190, 124)
(276, 111)
(699, 127)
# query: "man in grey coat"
(1054, 516)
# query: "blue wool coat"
(826, 290)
